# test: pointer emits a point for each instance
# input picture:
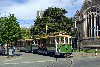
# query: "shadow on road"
(13, 55)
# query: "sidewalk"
(83, 54)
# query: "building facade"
(88, 22)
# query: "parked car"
(2, 50)
(21, 48)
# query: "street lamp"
(76, 19)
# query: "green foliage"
(56, 21)
(25, 33)
(9, 29)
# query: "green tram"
(55, 45)
(36, 45)
(21, 44)
(25, 45)
(42, 45)
(59, 45)
(29, 45)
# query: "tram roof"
(60, 35)
(44, 37)
(28, 39)
(51, 36)
(21, 40)
(37, 38)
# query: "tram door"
(43, 42)
(62, 45)
(57, 41)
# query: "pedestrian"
(14, 48)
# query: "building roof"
(89, 3)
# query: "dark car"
(21, 48)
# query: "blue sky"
(26, 10)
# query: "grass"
(78, 51)
(92, 51)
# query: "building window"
(93, 23)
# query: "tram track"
(50, 65)
(71, 63)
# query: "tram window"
(36, 42)
(66, 39)
(52, 40)
(48, 41)
(69, 40)
(62, 39)
(57, 40)
(18, 44)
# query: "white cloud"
(28, 10)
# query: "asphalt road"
(34, 60)
(86, 62)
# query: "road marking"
(26, 62)
(10, 63)
(51, 60)
(13, 59)
(40, 61)
(5, 62)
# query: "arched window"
(93, 22)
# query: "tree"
(26, 33)
(56, 21)
(10, 29)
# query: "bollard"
(56, 59)
(96, 52)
